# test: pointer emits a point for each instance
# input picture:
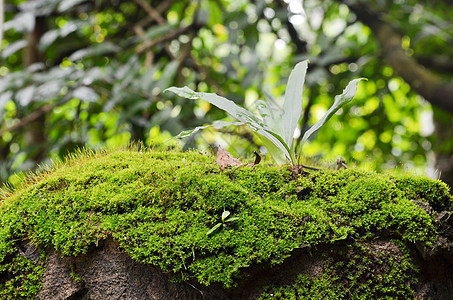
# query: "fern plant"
(275, 126)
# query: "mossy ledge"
(361, 229)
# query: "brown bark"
(439, 63)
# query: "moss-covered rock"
(159, 205)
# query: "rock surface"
(106, 272)
(127, 224)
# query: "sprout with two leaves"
(224, 221)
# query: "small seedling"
(225, 220)
(275, 126)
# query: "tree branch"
(28, 119)
(167, 37)
(154, 14)
(440, 63)
(426, 83)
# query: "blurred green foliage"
(92, 73)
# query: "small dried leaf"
(225, 159)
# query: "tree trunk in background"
(34, 132)
(2, 18)
(443, 145)
(422, 80)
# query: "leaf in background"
(48, 38)
(85, 94)
(93, 75)
(95, 50)
(13, 48)
(47, 90)
(147, 79)
(4, 97)
(168, 74)
(129, 73)
(52, 35)
(292, 107)
(57, 74)
(340, 100)
(68, 4)
(36, 67)
(22, 22)
(158, 30)
(25, 95)
(215, 13)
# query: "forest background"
(78, 73)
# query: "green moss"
(75, 276)
(20, 277)
(360, 271)
(433, 192)
(160, 205)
